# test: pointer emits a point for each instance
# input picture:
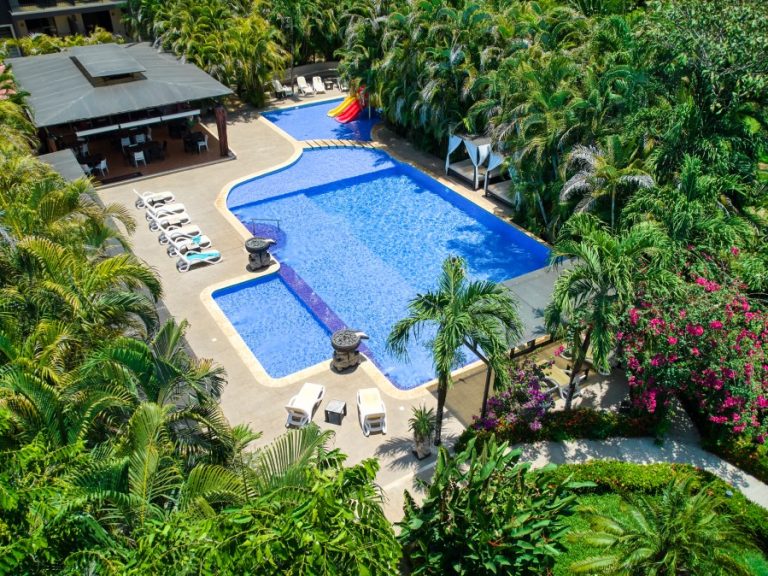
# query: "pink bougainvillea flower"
(716, 324)
(672, 340)
(694, 329)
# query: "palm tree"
(602, 171)
(481, 315)
(677, 533)
(590, 295)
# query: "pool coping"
(306, 374)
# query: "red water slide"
(350, 113)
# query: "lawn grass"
(611, 504)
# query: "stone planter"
(258, 253)
(345, 354)
(422, 447)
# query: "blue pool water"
(276, 340)
(311, 122)
(361, 234)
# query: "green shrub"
(560, 425)
(610, 476)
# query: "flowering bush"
(708, 348)
(523, 402)
(559, 425)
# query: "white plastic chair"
(302, 407)
(139, 157)
(164, 210)
(304, 88)
(202, 144)
(125, 142)
(87, 169)
(102, 167)
(84, 148)
(180, 246)
(184, 232)
(317, 84)
(169, 222)
(280, 90)
(371, 411)
(191, 259)
(153, 198)
(140, 138)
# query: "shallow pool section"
(311, 122)
(277, 327)
(365, 242)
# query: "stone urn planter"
(258, 253)
(422, 423)
(345, 353)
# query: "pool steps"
(310, 144)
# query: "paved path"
(681, 447)
(645, 451)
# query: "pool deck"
(247, 398)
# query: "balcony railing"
(32, 5)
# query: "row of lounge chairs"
(184, 240)
(371, 411)
(304, 88)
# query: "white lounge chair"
(561, 379)
(371, 411)
(191, 259)
(304, 88)
(317, 84)
(164, 210)
(170, 222)
(280, 90)
(183, 233)
(302, 407)
(153, 198)
(180, 246)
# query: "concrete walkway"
(645, 451)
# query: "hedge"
(610, 476)
(561, 425)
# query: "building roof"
(91, 82)
(65, 163)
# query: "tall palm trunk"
(442, 393)
(580, 353)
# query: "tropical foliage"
(681, 532)
(591, 100)
(115, 456)
(484, 512)
(706, 347)
(244, 44)
(479, 315)
(35, 44)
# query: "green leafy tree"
(600, 282)
(485, 512)
(602, 171)
(680, 532)
(480, 315)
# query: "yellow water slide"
(341, 107)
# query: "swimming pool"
(311, 122)
(359, 235)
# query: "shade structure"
(63, 89)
